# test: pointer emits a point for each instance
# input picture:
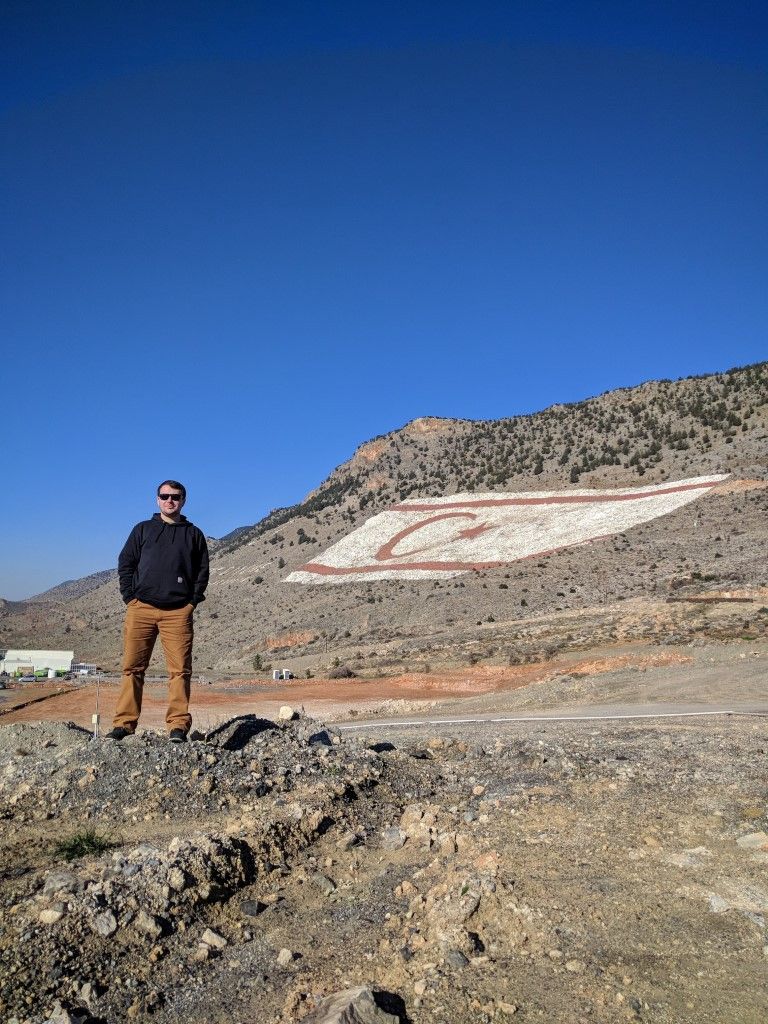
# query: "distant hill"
(658, 431)
(76, 588)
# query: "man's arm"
(201, 580)
(128, 562)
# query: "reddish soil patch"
(217, 702)
(21, 695)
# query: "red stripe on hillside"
(566, 499)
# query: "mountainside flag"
(432, 538)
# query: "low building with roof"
(18, 662)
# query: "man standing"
(163, 572)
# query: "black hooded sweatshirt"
(164, 564)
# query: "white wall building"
(12, 661)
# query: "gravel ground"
(559, 871)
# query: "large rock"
(352, 1006)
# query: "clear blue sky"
(239, 239)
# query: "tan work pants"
(143, 624)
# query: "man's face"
(170, 502)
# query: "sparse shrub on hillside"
(341, 672)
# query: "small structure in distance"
(36, 663)
(282, 673)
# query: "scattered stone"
(753, 841)
(406, 889)
(90, 993)
(61, 881)
(177, 879)
(285, 957)
(321, 738)
(352, 1006)
(688, 858)
(51, 915)
(737, 895)
(149, 925)
(393, 838)
(252, 908)
(213, 939)
(447, 843)
(421, 754)
(104, 924)
(62, 1015)
(455, 958)
(508, 1009)
(325, 884)
(347, 841)
(286, 714)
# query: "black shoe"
(178, 736)
(118, 733)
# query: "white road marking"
(392, 722)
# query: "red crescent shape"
(318, 569)
(386, 551)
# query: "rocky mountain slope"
(659, 431)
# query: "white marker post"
(96, 718)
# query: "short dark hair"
(173, 483)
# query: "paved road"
(585, 714)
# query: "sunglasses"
(169, 497)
